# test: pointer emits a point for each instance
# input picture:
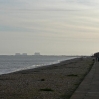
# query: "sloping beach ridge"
(57, 81)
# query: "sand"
(57, 81)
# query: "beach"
(57, 81)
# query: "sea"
(13, 63)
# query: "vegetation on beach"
(46, 89)
(72, 75)
(42, 79)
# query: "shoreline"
(37, 66)
(40, 66)
(57, 81)
(64, 62)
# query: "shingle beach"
(57, 81)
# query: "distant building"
(24, 54)
(17, 54)
(96, 54)
(37, 53)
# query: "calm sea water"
(10, 64)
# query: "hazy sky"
(58, 27)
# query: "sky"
(51, 27)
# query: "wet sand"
(57, 81)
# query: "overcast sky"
(51, 27)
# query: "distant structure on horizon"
(17, 54)
(24, 54)
(37, 53)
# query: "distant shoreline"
(50, 55)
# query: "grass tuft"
(42, 79)
(46, 89)
(72, 75)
